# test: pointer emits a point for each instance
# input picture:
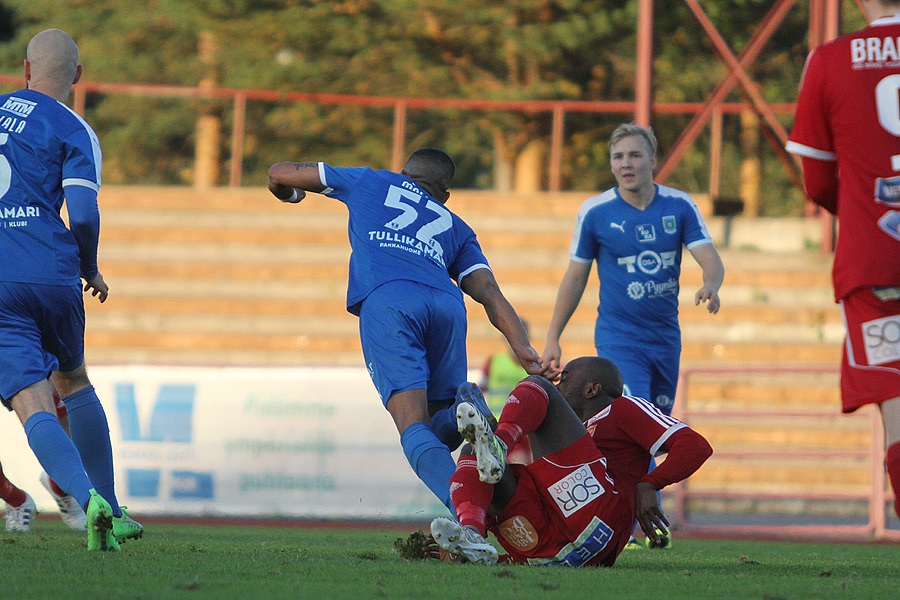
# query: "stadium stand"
(229, 276)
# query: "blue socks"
(445, 428)
(57, 455)
(90, 434)
(430, 459)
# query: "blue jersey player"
(48, 154)
(411, 261)
(636, 232)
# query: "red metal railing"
(879, 500)
(557, 109)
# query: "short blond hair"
(628, 129)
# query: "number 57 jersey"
(849, 111)
(398, 231)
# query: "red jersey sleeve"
(688, 450)
(811, 136)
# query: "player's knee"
(546, 384)
(70, 382)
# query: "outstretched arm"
(571, 288)
(687, 451)
(289, 181)
(713, 275)
(482, 287)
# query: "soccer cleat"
(471, 393)
(126, 528)
(18, 518)
(633, 544)
(69, 510)
(465, 542)
(99, 524)
(490, 451)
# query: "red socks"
(892, 462)
(523, 412)
(10, 493)
(471, 496)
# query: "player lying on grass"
(574, 505)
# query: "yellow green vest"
(505, 373)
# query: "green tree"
(514, 50)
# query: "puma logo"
(619, 227)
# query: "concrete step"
(817, 392)
(141, 277)
(137, 340)
(783, 475)
(823, 433)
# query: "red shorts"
(566, 511)
(870, 370)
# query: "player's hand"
(286, 193)
(709, 295)
(551, 358)
(97, 287)
(531, 361)
(648, 511)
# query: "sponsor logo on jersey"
(592, 540)
(12, 124)
(576, 490)
(635, 290)
(390, 239)
(872, 51)
(890, 223)
(11, 216)
(663, 402)
(648, 261)
(887, 191)
(620, 227)
(669, 224)
(520, 533)
(20, 212)
(18, 106)
(652, 289)
(645, 233)
(882, 339)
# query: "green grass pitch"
(219, 561)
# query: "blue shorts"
(414, 337)
(41, 330)
(651, 374)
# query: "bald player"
(49, 155)
(412, 260)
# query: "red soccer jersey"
(849, 111)
(628, 432)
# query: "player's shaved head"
(53, 55)
(602, 370)
(589, 384)
(433, 169)
(51, 63)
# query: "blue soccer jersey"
(397, 231)
(44, 146)
(638, 254)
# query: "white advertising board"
(260, 442)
